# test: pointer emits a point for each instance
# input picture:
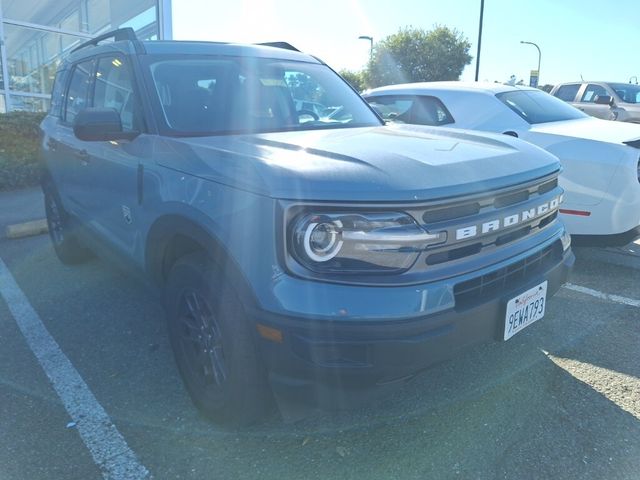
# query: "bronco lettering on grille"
(497, 224)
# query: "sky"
(594, 40)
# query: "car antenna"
(581, 78)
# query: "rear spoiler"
(633, 143)
(284, 45)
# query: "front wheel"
(213, 344)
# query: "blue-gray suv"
(304, 258)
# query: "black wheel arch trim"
(167, 227)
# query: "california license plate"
(526, 308)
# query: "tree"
(355, 79)
(416, 55)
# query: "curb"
(27, 229)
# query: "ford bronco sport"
(303, 258)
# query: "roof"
(199, 48)
(485, 87)
(221, 48)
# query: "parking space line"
(105, 443)
(603, 296)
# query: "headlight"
(336, 242)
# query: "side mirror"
(100, 125)
(603, 100)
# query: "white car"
(601, 174)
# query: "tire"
(213, 344)
(62, 229)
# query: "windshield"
(539, 107)
(212, 95)
(627, 92)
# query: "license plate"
(525, 309)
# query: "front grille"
(495, 201)
(451, 212)
(472, 292)
(474, 211)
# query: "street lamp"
(366, 37)
(539, 56)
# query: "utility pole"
(479, 39)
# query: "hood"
(592, 129)
(373, 164)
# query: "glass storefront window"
(29, 104)
(33, 54)
(33, 57)
(88, 16)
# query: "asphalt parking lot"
(559, 400)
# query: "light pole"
(366, 37)
(479, 39)
(539, 56)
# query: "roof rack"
(117, 35)
(285, 45)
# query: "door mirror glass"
(603, 100)
(100, 124)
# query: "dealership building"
(36, 34)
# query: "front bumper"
(333, 363)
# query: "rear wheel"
(62, 230)
(213, 344)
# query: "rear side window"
(567, 92)
(114, 89)
(536, 106)
(57, 94)
(416, 109)
(77, 95)
(591, 92)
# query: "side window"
(57, 94)
(78, 90)
(568, 92)
(591, 92)
(422, 110)
(431, 111)
(114, 89)
(392, 108)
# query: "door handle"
(52, 144)
(83, 156)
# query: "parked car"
(601, 170)
(606, 100)
(316, 261)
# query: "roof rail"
(117, 35)
(285, 45)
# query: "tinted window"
(78, 90)
(201, 95)
(57, 95)
(536, 106)
(592, 91)
(421, 110)
(627, 92)
(568, 92)
(114, 89)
